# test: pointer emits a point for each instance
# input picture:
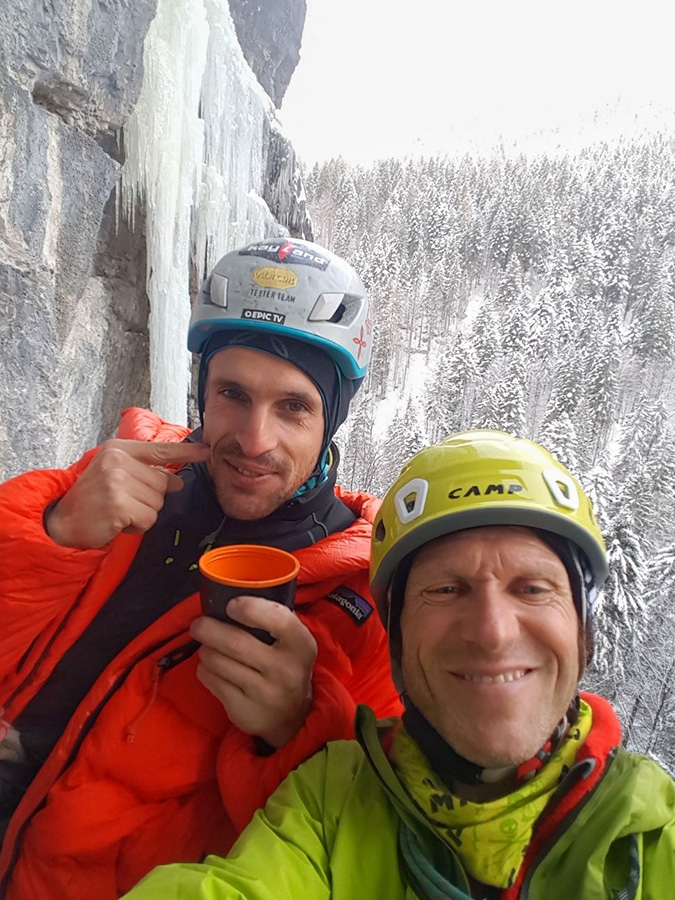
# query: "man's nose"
(490, 620)
(256, 432)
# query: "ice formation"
(194, 164)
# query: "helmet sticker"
(562, 488)
(286, 252)
(262, 315)
(275, 277)
(360, 342)
(411, 499)
(270, 294)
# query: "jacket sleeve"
(331, 717)
(140, 424)
(282, 855)
(658, 855)
(38, 578)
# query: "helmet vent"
(380, 531)
(562, 488)
(338, 314)
(327, 307)
(411, 499)
(218, 290)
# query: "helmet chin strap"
(451, 767)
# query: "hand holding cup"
(246, 569)
(265, 685)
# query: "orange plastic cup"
(228, 572)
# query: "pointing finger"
(162, 453)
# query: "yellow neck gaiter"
(491, 838)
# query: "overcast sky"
(379, 78)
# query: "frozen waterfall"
(194, 164)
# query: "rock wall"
(74, 312)
(270, 41)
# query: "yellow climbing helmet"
(477, 478)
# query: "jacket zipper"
(160, 668)
(569, 819)
(162, 665)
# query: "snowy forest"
(535, 294)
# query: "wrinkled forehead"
(509, 538)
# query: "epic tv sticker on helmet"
(356, 606)
(262, 315)
(286, 252)
(275, 277)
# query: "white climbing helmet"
(293, 288)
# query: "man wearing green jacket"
(501, 780)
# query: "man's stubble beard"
(240, 505)
(248, 509)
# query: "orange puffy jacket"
(150, 770)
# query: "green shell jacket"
(334, 829)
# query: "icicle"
(164, 145)
(235, 110)
(194, 163)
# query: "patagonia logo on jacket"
(356, 606)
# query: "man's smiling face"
(264, 423)
(490, 642)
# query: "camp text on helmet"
(410, 499)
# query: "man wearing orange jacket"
(135, 731)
